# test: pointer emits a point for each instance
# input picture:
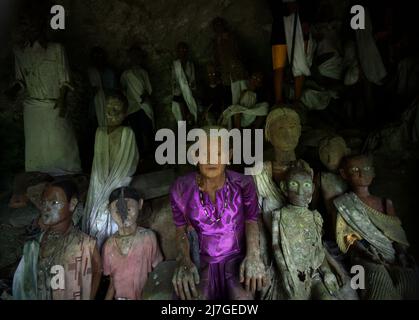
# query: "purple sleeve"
(178, 208)
(250, 199)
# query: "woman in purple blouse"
(222, 207)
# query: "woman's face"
(212, 163)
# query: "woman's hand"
(185, 279)
(253, 273)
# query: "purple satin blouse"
(218, 240)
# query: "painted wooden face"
(257, 80)
(182, 51)
(55, 206)
(285, 135)
(213, 76)
(299, 188)
(358, 171)
(115, 112)
(332, 154)
(126, 215)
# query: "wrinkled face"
(359, 172)
(285, 136)
(299, 188)
(125, 212)
(115, 112)
(55, 206)
(331, 155)
(213, 167)
(182, 51)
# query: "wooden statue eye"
(293, 184)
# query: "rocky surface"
(157, 215)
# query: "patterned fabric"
(388, 282)
(367, 224)
(300, 237)
(130, 272)
(74, 252)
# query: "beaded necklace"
(226, 197)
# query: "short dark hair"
(68, 186)
(129, 193)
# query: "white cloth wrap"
(182, 84)
(302, 60)
(107, 175)
(135, 82)
(368, 54)
(50, 142)
(247, 107)
(99, 100)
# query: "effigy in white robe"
(182, 80)
(50, 142)
(270, 195)
(95, 80)
(115, 161)
(247, 107)
(302, 59)
(368, 54)
(135, 83)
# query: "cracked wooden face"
(125, 212)
(55, 207)
(298, 187)
(115, 112)
(358, 171)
